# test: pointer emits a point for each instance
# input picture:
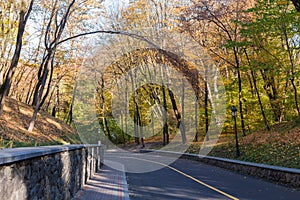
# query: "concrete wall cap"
(23, 153)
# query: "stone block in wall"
(45, 172)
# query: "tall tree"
(8, 24)
(47, 65)
(218, 21)
(272, 39)
(23, 17)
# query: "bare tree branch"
(109, 32)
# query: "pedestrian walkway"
(107, 184)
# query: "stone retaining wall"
(281, 175)
(50, 173)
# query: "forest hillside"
(278, 146)
(48, 130)
(148, 71)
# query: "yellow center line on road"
(188, 176)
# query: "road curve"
(191, 180)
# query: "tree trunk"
(259, 101)
(206, 110)
(291, 59)
(49, 83)
(257, 93)
(165, 127)
(196, 118)
(106, 127)
(178, 117)
(135, 111)
(17, 80)
(241, 103)
(271, 90)
(70, 114)
(136, 123)
(141, 130)
(38, 101)
(54, 111)
(126, 111)
(152, 124)
(295, 96)
(183, 134)
(122, 128)
(102, 104)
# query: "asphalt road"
(190, 180)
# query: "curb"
(280, 175)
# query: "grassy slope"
(280, 146)
(48, 130)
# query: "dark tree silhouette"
(296, 4)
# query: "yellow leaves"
(148, 14)
(284, 2)
(176, 21)
(131, 9)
